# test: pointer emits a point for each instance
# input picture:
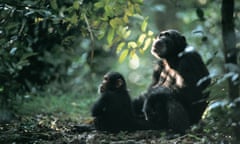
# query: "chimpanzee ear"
(119, 83)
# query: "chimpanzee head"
(168, 43)
(112, 81)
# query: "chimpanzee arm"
(192, 69)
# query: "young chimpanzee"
(113, 111)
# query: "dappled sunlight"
(134, 62)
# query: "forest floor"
(47, 128)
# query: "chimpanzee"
(113, 111)
(159, 105)
(182, 68)
(175, 97)
(163, 111)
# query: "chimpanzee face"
(168, 43)
(112, 81)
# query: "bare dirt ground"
(48, 129)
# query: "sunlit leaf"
(38, 19)
(123, 55)
(127, 34)
(141, 39)
(144, 25)
(147, 44)
(132, 44)
(131, 53)
(120, 46)
(150, 33)
(110, 36)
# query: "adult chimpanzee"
(182, 68)
(175, 98)
(163, 77)
(159, 105)
(113, 111)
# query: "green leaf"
(116, 22)
(150, 33)
(99, 4)
(54, 4)
(147, 44)
(109, 11)
(144, 25)
(120, 46)
(1, 89)
(110, 36)
(74, 19)
(132, 44)
(24, 59)
(123, 55)
(130, 10)
(141, 39)
(125, 18)
(138, 1)
(127, 34)
(25, 56)
(76, 5)
(101, 32)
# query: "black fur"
(175, 99)
(190, 67)
(113, 111)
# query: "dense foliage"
(48, 40)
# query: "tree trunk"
(230, 51)
(229, 42)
